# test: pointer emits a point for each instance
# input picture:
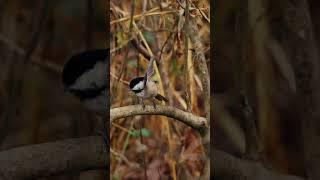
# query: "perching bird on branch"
(145, 87)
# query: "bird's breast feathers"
(150, 91)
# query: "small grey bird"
(146, 88)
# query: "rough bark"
(304, 56)
(61, 157)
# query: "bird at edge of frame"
(146, 87)
(84, 75)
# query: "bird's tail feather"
(161, 98)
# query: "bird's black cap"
(134, 82)
(82, 62)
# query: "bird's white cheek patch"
(94, 77)
(138, 86)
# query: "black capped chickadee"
(85, 76)
(145, 87)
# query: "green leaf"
(149, 37)
(132, 63)
(115, 177)
(144, 132)
(175, 67)
(122, 38)
(135, 133)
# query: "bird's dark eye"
(156, 82)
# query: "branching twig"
(124, 159)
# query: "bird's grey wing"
(149, 72)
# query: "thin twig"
(165, 43)
(119, 79)
(148, 13)
(89, 28)
(201, 12)
(142, 50)
(125, 159)
(120, 127)
(38, 21)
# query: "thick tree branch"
(196, 122)
(232, 168)
(87, 153)
(48, 159)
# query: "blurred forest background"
(265, 77)
(164, 148)
(36, 38)
(266, 89)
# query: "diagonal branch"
(43, 63)
(196, 122)
(226, 166)
(192, 31)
